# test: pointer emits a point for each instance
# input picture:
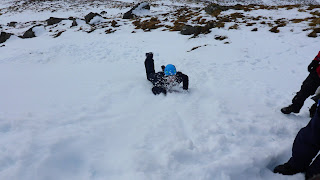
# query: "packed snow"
(79, 106)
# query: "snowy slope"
(79, 106)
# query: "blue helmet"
(170, 70)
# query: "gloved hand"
(157, 90)
(313, 65)
(163, 67)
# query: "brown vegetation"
(58, 34)
(235, 26)
(274, 29)
(194, 48)
(147, 25)
(220, 38)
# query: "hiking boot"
(312, 177)
(289, 109)
(285, 169)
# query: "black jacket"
(160, 81)
(162, 84)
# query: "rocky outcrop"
(4, 37)
(29, 33)
(314, 33)
(12, 24)
(196, 30)
(53, 20)
(189, 30)
(130, 14)
(90, 16)
(74, 23)
(210, 9)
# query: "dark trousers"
(149, 65)
(308, 88)
(152, 76)
(306, 146)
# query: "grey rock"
(74, 23)
(12, 24)
(29, 33)
(188, 30)
(214, 7)
(90, 16)
(130, 14)
(196, 30)
(4, 37)
(53, 20)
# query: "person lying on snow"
(308, 87)
(305, 148)
(166, 80)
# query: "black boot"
(290, 109)
(285, 169)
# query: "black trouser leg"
(306, 145)
(313, 109)
(308, 88)
(314, 168)
(149, 65)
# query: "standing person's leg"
(305, 147)
(308, 88)
(314, 168)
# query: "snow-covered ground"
(79, 107)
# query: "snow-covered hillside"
(75, 103)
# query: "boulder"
(90, 16)
(238, 7)
(141, 6)
(314, 33)
(53, 20)
(189, 30)
(195, 30)
(4, 37)
(210, 9)
(130, 14)
(12, 24)
(29, 33)
(74, 23)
